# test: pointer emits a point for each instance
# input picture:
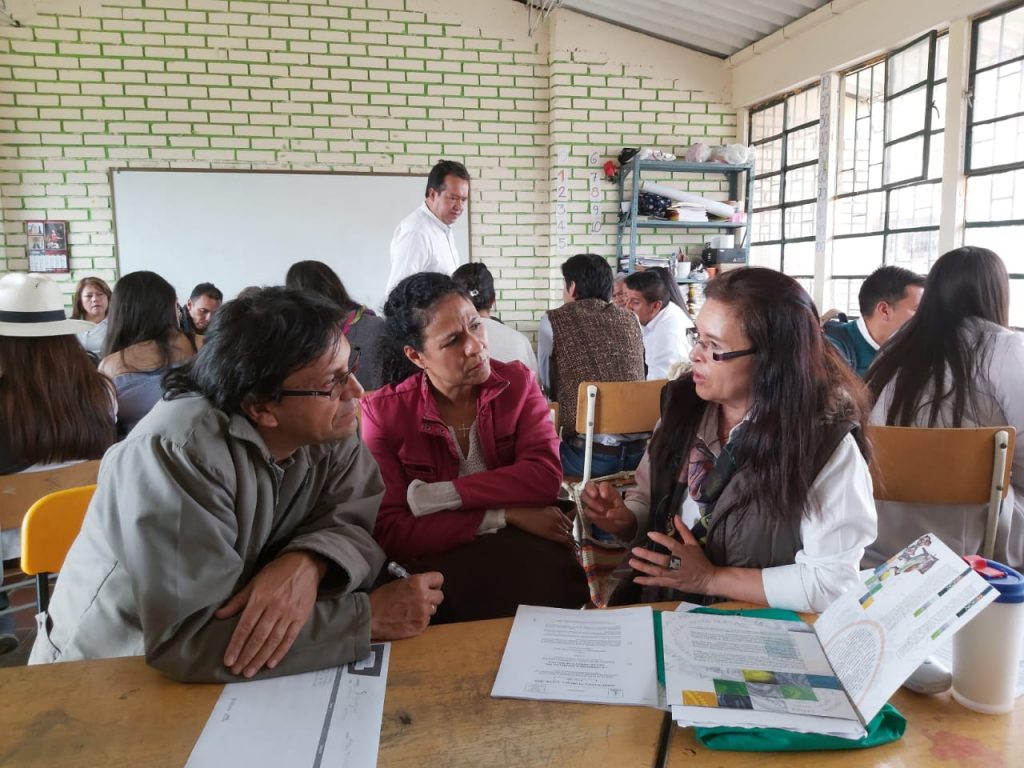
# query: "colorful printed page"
(906, 609)
(747, 672)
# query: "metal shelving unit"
(631, 223)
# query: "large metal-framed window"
(994, 161)
(785, 133)
(887, 204)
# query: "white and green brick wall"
(352, 86)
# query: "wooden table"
(940, 732)
(437, 712)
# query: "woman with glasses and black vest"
(755, 486)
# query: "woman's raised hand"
(604, 507)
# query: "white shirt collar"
(425, 210)
(863, 328)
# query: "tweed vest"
(593, 340)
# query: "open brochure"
(832, 677)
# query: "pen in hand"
(397, 571)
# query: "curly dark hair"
(408, 311)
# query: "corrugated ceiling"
(718, 27)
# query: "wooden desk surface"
(437, 712)
(940, 732)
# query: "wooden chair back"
(615, 407)
(944, 466)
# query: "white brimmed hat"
(32, 306)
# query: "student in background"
(91, 302)
(653, 296)
(955, 364)
(619, 297)
(469, 460)
(505, 344)
(229, 535)
(55, 407)
(195, 317)
(589, 339)
(363, 329)
(143, 343)
(888, 298)
(424, 240)
(756, 484)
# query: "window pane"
(802, 183)
(860, 213)
(935, 150)
(905, 114)
(904, 161)
(999, 91)
(799, 221)
(766, 122)
(843, 296)
(767, 191)
(802, 146)
(1017, 303)
(767, 226)
(997, 143)
(915, 206)
(1003, 240)
(769, 156)
(908, 67)
(1001, 38)
(799, 259)
(803, 107)
(996, 197)
(941, 56)
(914, 250)
(856, 255)
(766, 256)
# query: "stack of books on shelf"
(691, 212)
(651, 261)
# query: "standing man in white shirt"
(424, 241)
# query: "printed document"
(327, 718)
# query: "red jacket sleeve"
(401, 535)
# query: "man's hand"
(546, 522)
(403, 607)
(277, 603)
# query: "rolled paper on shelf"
(713, 206)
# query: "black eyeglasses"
(693, 335)
(336, 388)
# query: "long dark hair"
(965, 283)
(77, 310)
(409, 310)
(258, 341)
(316, 277)
(656, 284)
(142, 309)
(800, 387)
(54, 405)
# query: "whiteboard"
(241, 228)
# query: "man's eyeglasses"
(337, 387)
(693, 335)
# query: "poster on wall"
(47, 245)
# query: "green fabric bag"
(888, 725)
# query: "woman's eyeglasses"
(336, 388)
(693, 335)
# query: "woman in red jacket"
(470, 461)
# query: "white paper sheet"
(327, 718)
(600, 657)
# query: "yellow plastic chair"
(49, 528)
(921, 465)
